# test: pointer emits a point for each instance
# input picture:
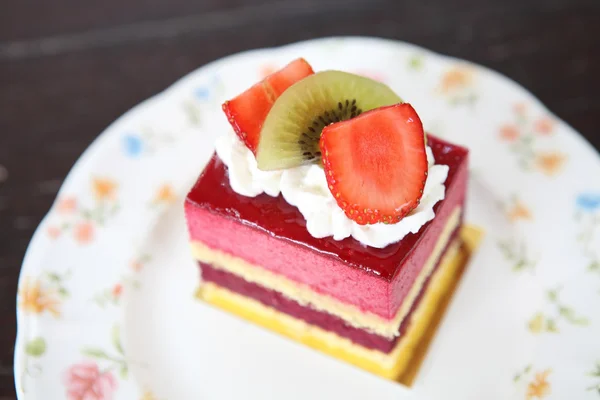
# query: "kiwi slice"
(290, 134)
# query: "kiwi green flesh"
(291, 132)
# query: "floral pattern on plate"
(44, 294)
(548, 322)
(587, 217)
(458, 84)
(537, 383)
(83, 221)
(523, 135)
(88, 253)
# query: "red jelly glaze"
(284, 221)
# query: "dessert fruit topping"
(291, 132)
(247, 111)
(370, 144)
(376, 164)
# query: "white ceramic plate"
(106, 295)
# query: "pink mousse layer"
(322, 319)
(268, 232)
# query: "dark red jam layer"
(283, 220)
(324, 320)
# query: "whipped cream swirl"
(305, 187)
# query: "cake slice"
(256, 252)
(341, 228)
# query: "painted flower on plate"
(536, 324)
(117, 290)
(520, 108)
(148, 396)
(53, 232)
(524, 137)
(544, 126)
(509, 133)
(133, 144)
(588, 201)
(550, 163)
(81, 219)
(458, 85)
(36, 299)
(519, 211)
(456, 78)
(84, 232)
(556, 312)
(213, 87)
(202, 93)
(164, 195)
(67, 205)
(539, 387)
(104, 189)
(85, 381)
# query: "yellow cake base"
(403, 362)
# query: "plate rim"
(36, 240)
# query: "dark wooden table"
(68, 68)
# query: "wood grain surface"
(68, 68)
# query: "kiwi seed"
(291, 132)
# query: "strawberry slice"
(247, 111)
(376, 164)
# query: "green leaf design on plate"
(95, 353)
(472, 99)
(551, 325)
(116, 339)
(581, 321)
(36, 347)
(522, 374)
(527, 139)
(123, 371)
(416, 62)
(596, 372)
(192, 112)
(565, 312)
(552, 295)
